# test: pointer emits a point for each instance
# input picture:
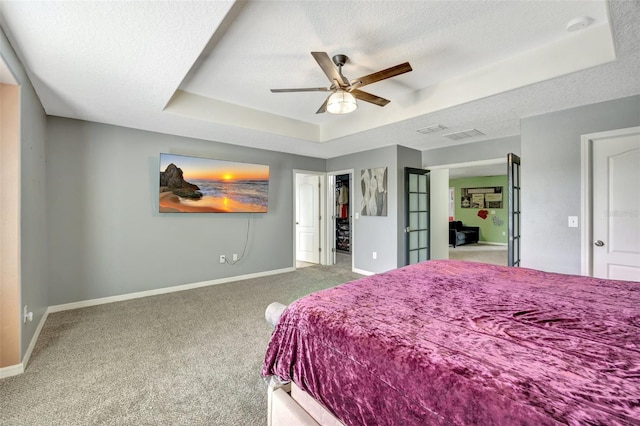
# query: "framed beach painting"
(204, 185)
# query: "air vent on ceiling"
(431, 129)
(463, 134)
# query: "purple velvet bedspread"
(463, 343)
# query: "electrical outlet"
(27, 315)
(223, 258)
(375, 254)
(235, 256)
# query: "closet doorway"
(340, 232)
(342, 214)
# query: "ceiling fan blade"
(382, 75)
(329, 69)
(323, 107)
(368, 97)
(303, 89)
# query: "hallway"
(486, 253)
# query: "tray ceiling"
(204, 69)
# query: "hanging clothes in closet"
(343, 201)
(343, 222)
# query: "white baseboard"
(492, 244)
(14, 370)
(362, 272)
(139, 294)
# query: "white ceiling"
(203, 69)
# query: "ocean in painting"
(253, 193)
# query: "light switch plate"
(573, 221)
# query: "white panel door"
(616, 207)
(308, 218)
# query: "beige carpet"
(485, 253)
(186, 358)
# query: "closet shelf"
(342, 213)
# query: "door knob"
(599, 243)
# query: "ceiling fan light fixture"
(341, 102)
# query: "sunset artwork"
(204, 185)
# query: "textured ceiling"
(204, 69)
(268, 46)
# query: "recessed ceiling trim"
(213, 110)
(479, 163)
(561, 57)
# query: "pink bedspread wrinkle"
(462, 343)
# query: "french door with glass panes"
(513, 178)
(417, 215)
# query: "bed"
(447, 342)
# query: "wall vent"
(463, 134)
(431, 129)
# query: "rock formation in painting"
(171, 180)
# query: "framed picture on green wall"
(486, 197)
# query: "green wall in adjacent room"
(493, 229)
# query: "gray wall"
(32, 205)
(551, 179)
(485, 150)
(373, 233)
(106, 236)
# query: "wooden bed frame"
(289, 405)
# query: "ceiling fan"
(345, 92)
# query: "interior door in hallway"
(616, 205)
(308, 218)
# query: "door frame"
(320, 212)
(408, 211)
(514, 210)
(330, 205)
(445, 243)
(14, 358)
(586, 192)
